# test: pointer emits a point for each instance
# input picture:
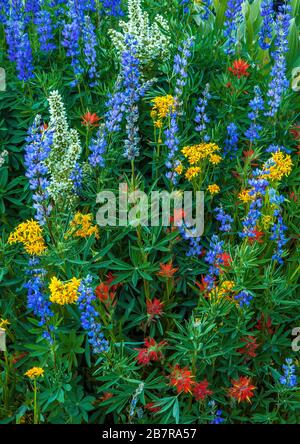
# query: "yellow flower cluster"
(225, 289)
(82, 226)
(196, 153)
(192, 172)
(34, 373)
(266, 221)
(29, 234)
(162, 106)
(213, 189)
(179, 169)
(278, 166)
(4, 323)
(64, 293)
(245, 197)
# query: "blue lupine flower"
(258, 185)
(43, 22)
(215, 413)
(218, 418)
(233, 16)
(57, 8)
(98, 148)
(265, 33)
(201, 118)
(205, 5)
(89, 49)
(180, 65)
(4, 10)
(37, 301)
(214, 259)
(278, 235)
(78, 9)
(288, 378)
(77, 178)
(256, 105)
(123, 102)
(274, 197)
(112, 7)
(13, 33)
(258, 189)
(24, 59)
(274, 148)
(130, 72)
(231, 142)
(172, 142)
(195, 248)
(252, 218)
(244, 298)
(32, 6)
(132, 140)
(185, 4)
(113, 118)
(37, 150)
(224, 218)
(71, 37)
(116, 109)
(279, 82)
(54, 3)
(90, 317)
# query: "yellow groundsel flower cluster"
(64, 293)
(195, 153)
(192, 172)
(213, 189)
(197, 157)
(34, 372)
(162, 106)
(4, 323)
(179, 169)
(225, 289)
(278, 166)
(29, 234)
(82, 226)
(245, 197)
(266, 221)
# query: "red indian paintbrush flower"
(295, 131)
(151, 407)
(90, 120)
(167, 270)
(201, 391)
(239, 68)
(225, 258)
(106, 396)
(242, 389)
(203, 285)
(264, 324)
(106, 292)
(250, 347)
(248, 153)
(257, 236)
(181, 379)
(151, 351)
(154, 308)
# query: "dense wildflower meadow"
(108, 316)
